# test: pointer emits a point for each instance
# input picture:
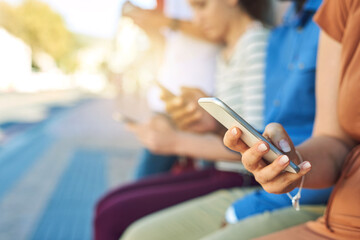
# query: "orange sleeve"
(332, 17)
(160, 5)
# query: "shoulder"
(333, 16)
(256, 40)
(257, 33)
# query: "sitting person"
(203, 216)
(332, 155)
(246, 40)
(189, 59)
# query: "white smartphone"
(228, 118)
(119, 117)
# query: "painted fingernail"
(284, 145)
(234, 131)
(262, 147)
(284, 160)
(305, 165)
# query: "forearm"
(326, 155)
(328, 147)
(190, 29)
(209, 147)
(186, 27)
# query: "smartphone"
(228, 118)
(119, 117)
(167, 92)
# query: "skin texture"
(323, 153)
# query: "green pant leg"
(189, 220)
(268, 222)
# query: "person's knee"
(108, 223)
(101, 229)
(103, 203)
(99, 206)
(137, 232)
(100, 221)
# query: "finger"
(288, 181)
(132, 126)
(185, 122)
(279, 137)
(193, 92)
(186, 90)
(252, 159)
(273, 170)
(166, 93)
(232, 140)
(174, 104)
(277, 134)
(305, 167)
(184, 113)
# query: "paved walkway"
(32, 107)
(52, 174)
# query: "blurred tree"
(43, 29)
(8, 19)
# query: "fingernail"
(305, 165)
(284, 145)
(262, 147)
(234, 131)
(284, 160)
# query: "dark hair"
(261, 10)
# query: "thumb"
(278, 136)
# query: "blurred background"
(65, 68)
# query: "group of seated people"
(299, 84)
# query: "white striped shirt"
(240, 81)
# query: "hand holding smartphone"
(119, 117)
(228, 118)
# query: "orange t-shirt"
(340, 19)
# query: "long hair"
(261, 10)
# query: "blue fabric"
(290, 85)
(290, 74)
(151, 164)
(262, 201)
